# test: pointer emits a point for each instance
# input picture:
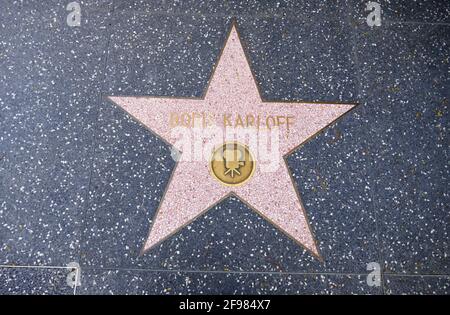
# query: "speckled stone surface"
(49, 104)
(431, 11)
(404, 79)
(81, 181)
(172, 283)
(417, 285)
(176, 7)
(34, 281)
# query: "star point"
(232, 102)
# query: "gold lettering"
(186, 120)
(211, 120)
(195, 119)
(226, 120)
(249, 120)
(205, 119)
(173, 120)
(289, 122)
(280, 120)
(239, 122)
(269, 125)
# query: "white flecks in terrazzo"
(399, 128)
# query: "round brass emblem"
(232, 164)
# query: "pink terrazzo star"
(192, 189)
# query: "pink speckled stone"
(192, 190)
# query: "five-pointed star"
(192, 189)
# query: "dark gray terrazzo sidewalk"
(80, 180)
